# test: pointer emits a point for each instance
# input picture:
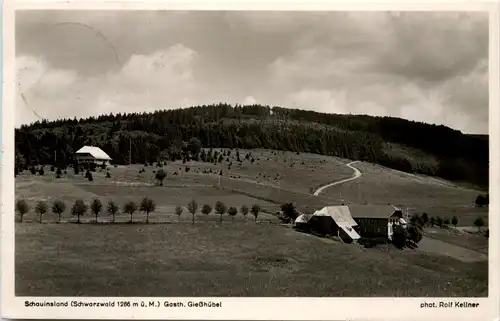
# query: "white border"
(250, 308)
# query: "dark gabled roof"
(372, 211)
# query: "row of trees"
(424, 220)
(168, 134)
(146, 206)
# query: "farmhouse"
(334, 220)
(376, 221)
(91, 154)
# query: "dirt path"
(357, 174)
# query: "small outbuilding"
(92, 154)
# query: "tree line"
(146, 206)
(148, 137)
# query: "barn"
(92, 154)
(376, 221)
(334, 220)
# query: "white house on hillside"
(91, 154)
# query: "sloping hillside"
(392, 142)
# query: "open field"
(240, 257)
(233, 259)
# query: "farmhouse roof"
(95, 152)
(340, 214)
(302, 218)
(373, 211)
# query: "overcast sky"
(430, 67)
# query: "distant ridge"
(410, 146)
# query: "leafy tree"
(446, 221)
(192, 208)
(41, 172)
(194, 146)
(112, 209)
(108, 175)
(147, 206)
(454, 221)
(76, 169)
(220, 208)
(255, 211)
(206, 209)
(160, 176)
(58, 207)
(399, 236)
(178, 211)
(244, 210)
(433, 221)
(96, 207)
(439, 221)
(481, 200)
(289, 211)
(232, 211)
(22, 208)
(41, 208)
(130, 208)
(79, 208)
(479, 222)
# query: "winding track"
(356, 175)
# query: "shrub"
(52, 168)
(244, 211)
(482, 200)
(399, 236)
(255, 211)
(22, 208)
(479, 222)
(232, 211)
(220, 208)
(178, 211)
(58, 207)
(289, 211)
(160, 176)
(33, 170)
(41, 208)
(147, 206)
(432, 221)
(79, 208)
(439, 221)
(108, 175)
(112, 209)
(206, 209)
(415, 233)
(446, 221)
(192, 208)
(130, 208)
(41, 172)
(96, 208)
(454, 221)
(425, 218)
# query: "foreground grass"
(240, 259)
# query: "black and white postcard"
(165, 160)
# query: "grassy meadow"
(241, 257)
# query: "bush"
(454, 221)
(178, 211)
(425, 218)
(446, 221)
(244, 210)
(439, 221)
(52, 168)
(432, 221)
(108, 175)
(479, 222)
(41, 171)
(220, 208)
(399, 236)
(289, 211)
(482, 200)
(206, 209)
(232, 211)
(22, 208)
(255, 211)
(160, 176)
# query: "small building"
(91, 154)
(302, 222)
(335, 221)
(376, 221)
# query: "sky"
(422, 66)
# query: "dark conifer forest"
(163, 135)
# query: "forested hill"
(393, 142)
